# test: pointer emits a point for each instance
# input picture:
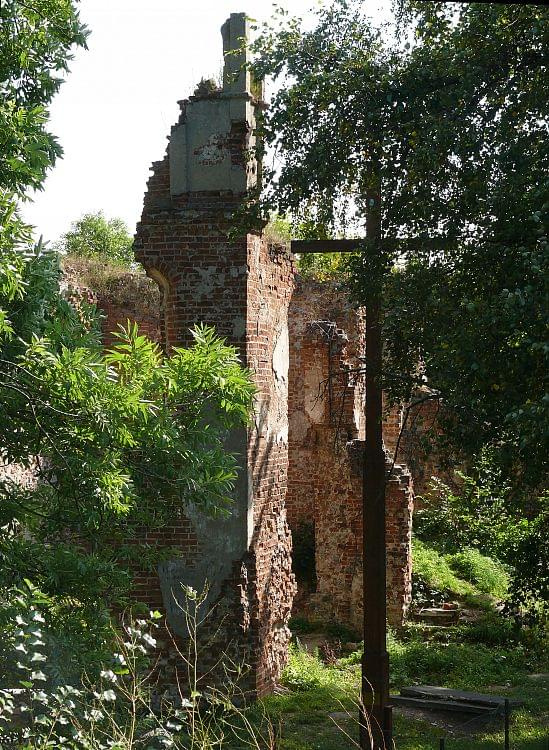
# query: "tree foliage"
(36, 44)
(93, 445)
(112, 442)
(439, 124)
(94, 236)
(452, 128)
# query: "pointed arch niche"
(168, 330)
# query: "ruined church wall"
(270, 285)
(242, 287)
(322, 323)
(326, 458)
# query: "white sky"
(114, 112)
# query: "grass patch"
(437, 577)
(306, 673)
(489, 656)
(454, 664)
(434, 569)
(116, 283)
(488, 575)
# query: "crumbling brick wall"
(419, 443)
(325, 457)
(241, 286)
(119, 295)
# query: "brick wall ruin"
(325, 409)
(325, 460)
(300, 459)
(243, 287)
(303, 450)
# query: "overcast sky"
(115, 110)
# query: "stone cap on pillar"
(209, 147)
(235, 32)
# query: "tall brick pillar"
(241, 286)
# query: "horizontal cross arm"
(352, 245)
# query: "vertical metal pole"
(442, 744)
(375, 723)
(506, 724)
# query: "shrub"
(118, 709)
(94, 236)
(304, 671)
(460, 665)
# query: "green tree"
(453, 131)
(439, 126)
(109, 441)
(94, 236)
(36, 43)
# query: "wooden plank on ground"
(427, 704)
(450, 694)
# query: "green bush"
(489, 515)
(486, 574)
(434, 570)
(491, 630)
(94, 236)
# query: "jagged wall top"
(207, 147)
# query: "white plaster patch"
(299, 425)
(282, 436)
(314, 402)
(213, 151)
(210, 278)
(281, 359)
